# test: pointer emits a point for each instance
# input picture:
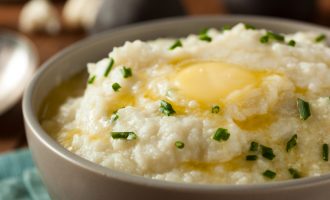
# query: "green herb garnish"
(179, 144)
(127, 72)
(275, 36)
(267, 152)
(249, 26)
(114, 116)
(204, 31)
(270, 35)
(292, 43)
(303, 108)
(166, 108)
(221, 135)
(176, 44)
(269, 174)
(205, 37)
(264, 39)
(91, 80)
(320, 38)
(124, 135)
(254, 146)
(325, 152)
(294, 173)
(116, 87)
(226, 27)
(215, 109)
(251, 157)
(107, 71)
(291, 143)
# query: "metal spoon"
(18, 61)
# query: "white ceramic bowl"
(68, 176)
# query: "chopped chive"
(325, 152)
(114, 116)
(107, 71)
(251, 157)
(249, 26)
(205, 37)
(275, 36)
(294, 173)
(176, 44)
(179, 144)
(116, 87)
(269, 174)
(226, 27)
(91, 80)
(267, 152)
(204, 31)
(303, 108)
(264, 39)
(291, 143)
(215, 109)
(292, 43)
(320, 38)
(124, 135)
(270, 35)
(221, 135)
(254, 146)
(127, 72)
(166, 108)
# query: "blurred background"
(53, 25)
(33, 31)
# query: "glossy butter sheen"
(212, 82)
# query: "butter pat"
(211, 82)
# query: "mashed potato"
(234, 106)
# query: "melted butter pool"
(211, 81)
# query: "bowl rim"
(32, 122)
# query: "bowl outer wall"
(68, 176)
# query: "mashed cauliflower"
(235, 106)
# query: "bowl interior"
(73, 60)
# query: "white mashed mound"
(188, 110)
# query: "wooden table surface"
(12, 135)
